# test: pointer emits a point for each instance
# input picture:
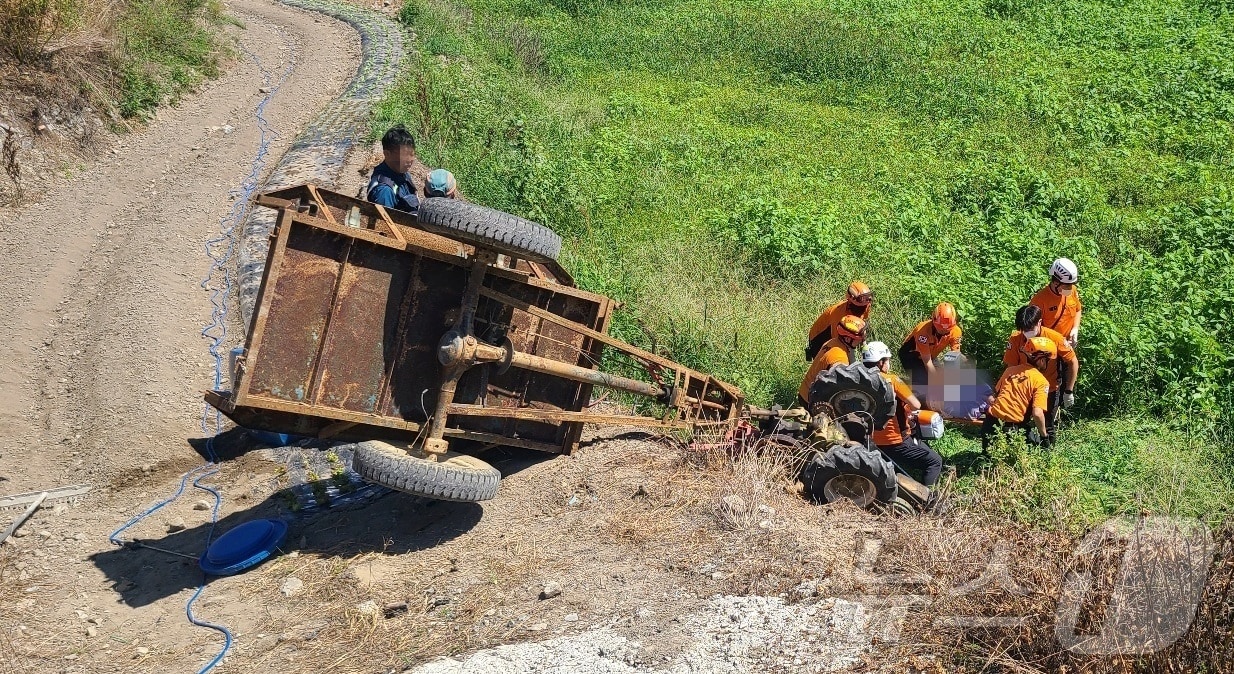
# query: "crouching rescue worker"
(930, 339)
(390, 184)
(894, 439)
(1062, 370)
(839, 350)
(856, 303)
(1021, 397)
(1059, 301)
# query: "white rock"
(291, 586)
(551, 589)
(367, 608)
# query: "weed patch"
(168, 47)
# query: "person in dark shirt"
(390, 184)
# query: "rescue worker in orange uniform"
(1062, 370)
(856, 303)
(1059, 301)
(839, 350)
(1021, 397)
(894, 439)
(930, 339)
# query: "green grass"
(166, 48)
(162, 48)
(727, 168)
(1099, 467)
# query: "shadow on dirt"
(623, 435)
(393, 523)
(229, 444)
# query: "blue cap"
(440, 183)
(244, 546)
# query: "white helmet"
(874, 352)
(1064, 271)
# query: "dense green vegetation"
(167, 47)
(727, 168)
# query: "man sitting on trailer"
(390, 184)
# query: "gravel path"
(732, 635)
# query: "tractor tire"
(453, 477)
(901, 508)
(489, 228)
(855, 388)
(853, 471)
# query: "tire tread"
(490, 228)
(384, 464)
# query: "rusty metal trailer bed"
(457, 323)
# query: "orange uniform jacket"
(1020, 389)
(1058, 313)
(893, 432)
(1014, 355)
(929, 344)
(832, 353)
(829, 319)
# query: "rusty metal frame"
(689, 397)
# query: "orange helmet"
(1039, 347)
(944, 317)
(860, 294)
(852, 327)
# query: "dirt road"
(102, 364)
(102, 361)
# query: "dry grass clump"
(993, 597)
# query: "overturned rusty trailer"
(406, 333)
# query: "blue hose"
(219, 250)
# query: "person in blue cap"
(390, 184)
(440, 183)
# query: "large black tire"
(851, 470)
(488, 228)
(855, 388)
(453, 477)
